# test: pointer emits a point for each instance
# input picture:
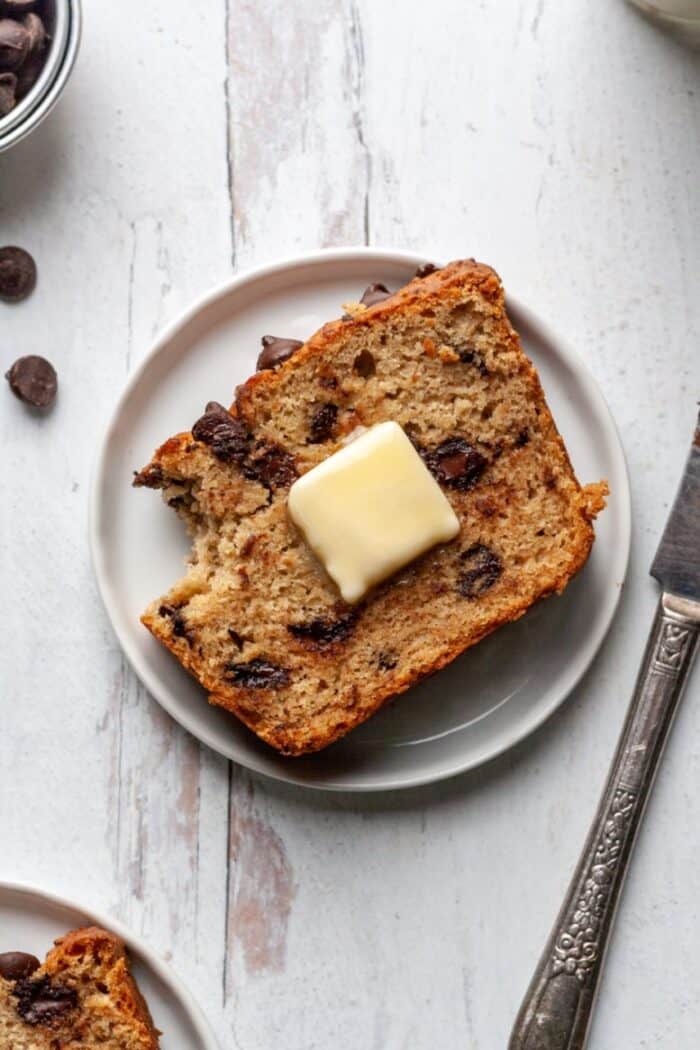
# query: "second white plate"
(483, 703)
(31, 920)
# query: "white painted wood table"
(558, 141)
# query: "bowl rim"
(22, 120)
(54, 59)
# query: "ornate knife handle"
(556, 1011)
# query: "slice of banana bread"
(256, 620)
(83, 996)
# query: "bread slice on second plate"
(256, 620)
(83, 997)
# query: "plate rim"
(136, 944)
(571, 359)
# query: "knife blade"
(677, 562)
(556, 1011)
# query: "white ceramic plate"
(488, 699)
(30, 921)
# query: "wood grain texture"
(558, 142)
(298, 160)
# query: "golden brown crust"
(448, 283)
(109, 956)
(245, 545)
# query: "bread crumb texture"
(82, 998)
(255, 619)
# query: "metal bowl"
(63, 23)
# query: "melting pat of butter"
(371, 508)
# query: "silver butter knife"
(556, 1011)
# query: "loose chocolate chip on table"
(17, 274)
(41, 1002)
(321, 632)
(455, 463)
(33, 379)
(374, 293)
(426, 269)
(483, 569)
(227, 436)
(258, 674)
(323, 423)
(8, 93)
(14, 44)
(16, 965)
(276, 350)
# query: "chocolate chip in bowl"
(14, 44)
(8, 93)
(31, 68)
(17, 7)
(38, 45)
(24, 41)
(36, 31)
